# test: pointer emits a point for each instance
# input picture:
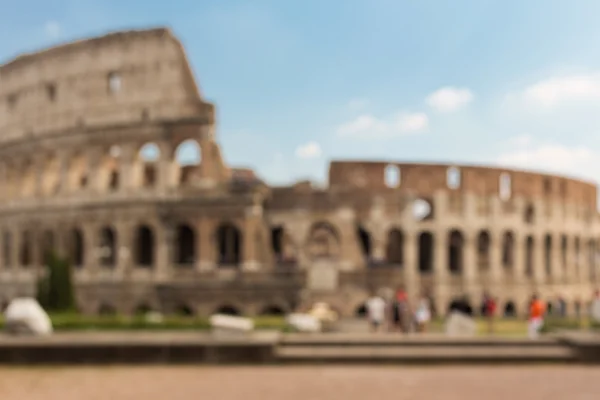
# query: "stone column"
(441, 273)
(64, 160)
(90, 248)
(519, 258)
(470, 267)
(165, 247)
(3, 246)
(165, 164)
(539, 267)
(15, 254)
(495, 257)
(39, 162)
(556, 259)
(124, 247)
(411, 264)
(94, 170)
(249, 243)
(205, 245)
(126, 166)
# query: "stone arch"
(483, 250)
(185, 310)
(323, 241)
(28, 178)
(7, 247)
(364, 242)
(577, 249)
(228, 309)
(51, 178)
(185, 245)
(510, 309)
(564, 247)
(25, 253)
(548, 254)
(47, 245)
(426, 252)
(188, 157)
(229, 244)
(143, 308)
(529, 215)
(529, 255)
(272, 310)
(144, 246)
(456, 243)
(109, 168)
(76, 247)
(395, 247)
(106, 309)
(108, 247)
(283, 248)
(147, 164)
(78, 172)
(508, 250)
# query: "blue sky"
(299, 83)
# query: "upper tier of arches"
(425, 179)
(117, 79)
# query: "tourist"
(422, 314)
(489, 311)
(401, 312)
(536, 317)
(562, 307)
(376, 308)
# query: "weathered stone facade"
(198, 238)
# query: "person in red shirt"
(489, 311)
(536, 316)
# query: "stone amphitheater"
(89, 138)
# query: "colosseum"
(78, 124)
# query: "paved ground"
(302, 383)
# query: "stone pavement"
(301, 383)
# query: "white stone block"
(26, 316)
(459, 324)
(304, 322)
(228, 323)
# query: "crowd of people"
(397, 314)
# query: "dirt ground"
(306, 383)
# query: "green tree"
(59, 288)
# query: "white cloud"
(358, 103)
(367, 125)
(554, 91)
(309, 150)
(578, 161)
(449, 99)
(52, 29)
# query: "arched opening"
(529, 216)
(505, 186)
(184, 310)
(229, 245)
(111, 168)
(364, 240)
(25, 258)
(46, 245)
(186, 245)
(395, 247)
(392, 176)
(188, 156)
(548, 254)
(149, 155)
(508, 250)
(7, 248)
(106, 309)
(144, 246)
(108, 247)
(426, 252)
(143, 309)
(323, 241)
(455, 252)
(277, 242)
(76, 247)
(592, 259)
(228, 310)
(453, 178)
(51, 179)
(272, 311)
(529, 243)
(510, 311)
(483, 250)
(78, 173)
(361, 311)
(563, 252)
